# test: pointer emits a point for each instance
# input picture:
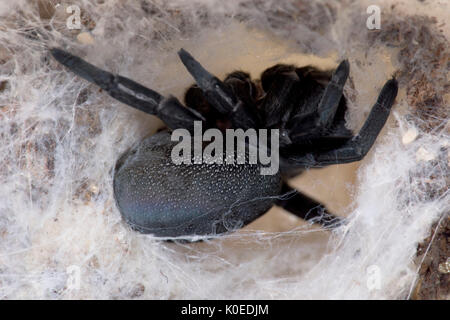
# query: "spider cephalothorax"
(306, 105)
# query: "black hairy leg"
(169, 109)
(355, 148)
(240, 85)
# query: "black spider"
(307, 106)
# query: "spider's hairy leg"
(282, 86)
(218, 95)
(195, 99)
(329, 103)
(243, 87)
(306, 208)
(280, 83)
(356, 148)
(240, 84)
(169, 109)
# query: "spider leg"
(240, 85)
(217, 93)
(169, 109)
(306, 208)
(356, 148)
(329, 103)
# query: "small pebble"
(424, 155)
(94, 189)
(410, 135)
(85, 38)
(444, 267)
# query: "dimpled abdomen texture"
(156, 196)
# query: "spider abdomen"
(156, 196)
